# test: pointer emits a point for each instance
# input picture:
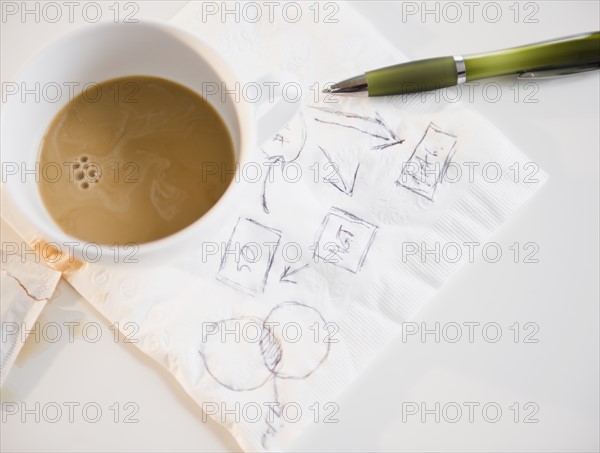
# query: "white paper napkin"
(272, 314)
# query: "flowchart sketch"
(428, 163)
(344, 240)
(248, 256)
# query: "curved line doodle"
(248, 362)
(268, 347)
(223, 375)
(276, 317)
(285, 147)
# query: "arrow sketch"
(361, 132)
(288, 273)
(343, 185)
(373, 126)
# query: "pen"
(553, 58)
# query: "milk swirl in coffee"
(141, 157)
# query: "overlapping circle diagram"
(244, 353)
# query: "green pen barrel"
(582, 51)
(579, 51)
(412, 77)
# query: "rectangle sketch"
(344, 240)
(428, 163)
(249, 255)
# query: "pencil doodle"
(247, 371)
(274, 420)
(428, 163)
(374, 126)
(248, 257)
(340, 184)
(344, 240)
(244, 353)
(361, 131)
(288, 272)
(285, 147)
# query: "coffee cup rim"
(243, 112)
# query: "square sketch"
(428, 163)
(248, 257)
(344, 240)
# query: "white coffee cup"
(106, 51)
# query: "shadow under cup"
(91, 56)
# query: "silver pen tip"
(354, 85)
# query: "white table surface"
(558, 375)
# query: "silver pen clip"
(553, 73)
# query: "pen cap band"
(461, 69)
